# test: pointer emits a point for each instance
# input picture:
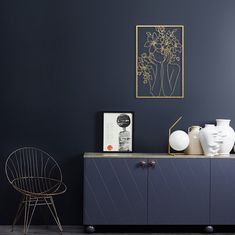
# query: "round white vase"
(227, 134)
(210, 140)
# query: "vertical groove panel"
(116, 188)
(178, 192)
(223, 191)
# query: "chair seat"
(39, 186)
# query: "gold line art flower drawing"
(159, 64)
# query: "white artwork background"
(112, 130)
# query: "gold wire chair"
(37, 176)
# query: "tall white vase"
(228, 135)
(210, 140)
(194, 142)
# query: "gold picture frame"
(160, 61)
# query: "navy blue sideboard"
(223, 191)
(158, 189)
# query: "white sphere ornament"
(179, 140)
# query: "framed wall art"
(159, 61)
(118, 131)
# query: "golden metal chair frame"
(38, 177)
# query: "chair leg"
(18, 213)
(28, 212)
(52, 208)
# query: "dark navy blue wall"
(64, 61)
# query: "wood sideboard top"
(150, 155)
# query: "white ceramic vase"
(210, 139)
(194, 142)
(228, 135)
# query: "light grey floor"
(72, 230)
(41, 230)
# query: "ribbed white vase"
(228, 135)
(210, 140)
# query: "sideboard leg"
(90, 229)
(209, 229)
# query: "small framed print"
(118, 131)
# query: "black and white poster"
(117, 132)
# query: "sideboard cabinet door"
(115, 191)
(223, 191)
(178, 192)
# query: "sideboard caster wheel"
(209, 229)
(90, 229)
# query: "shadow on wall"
(73, 178)
(99, 132)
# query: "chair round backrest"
(32, 170)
